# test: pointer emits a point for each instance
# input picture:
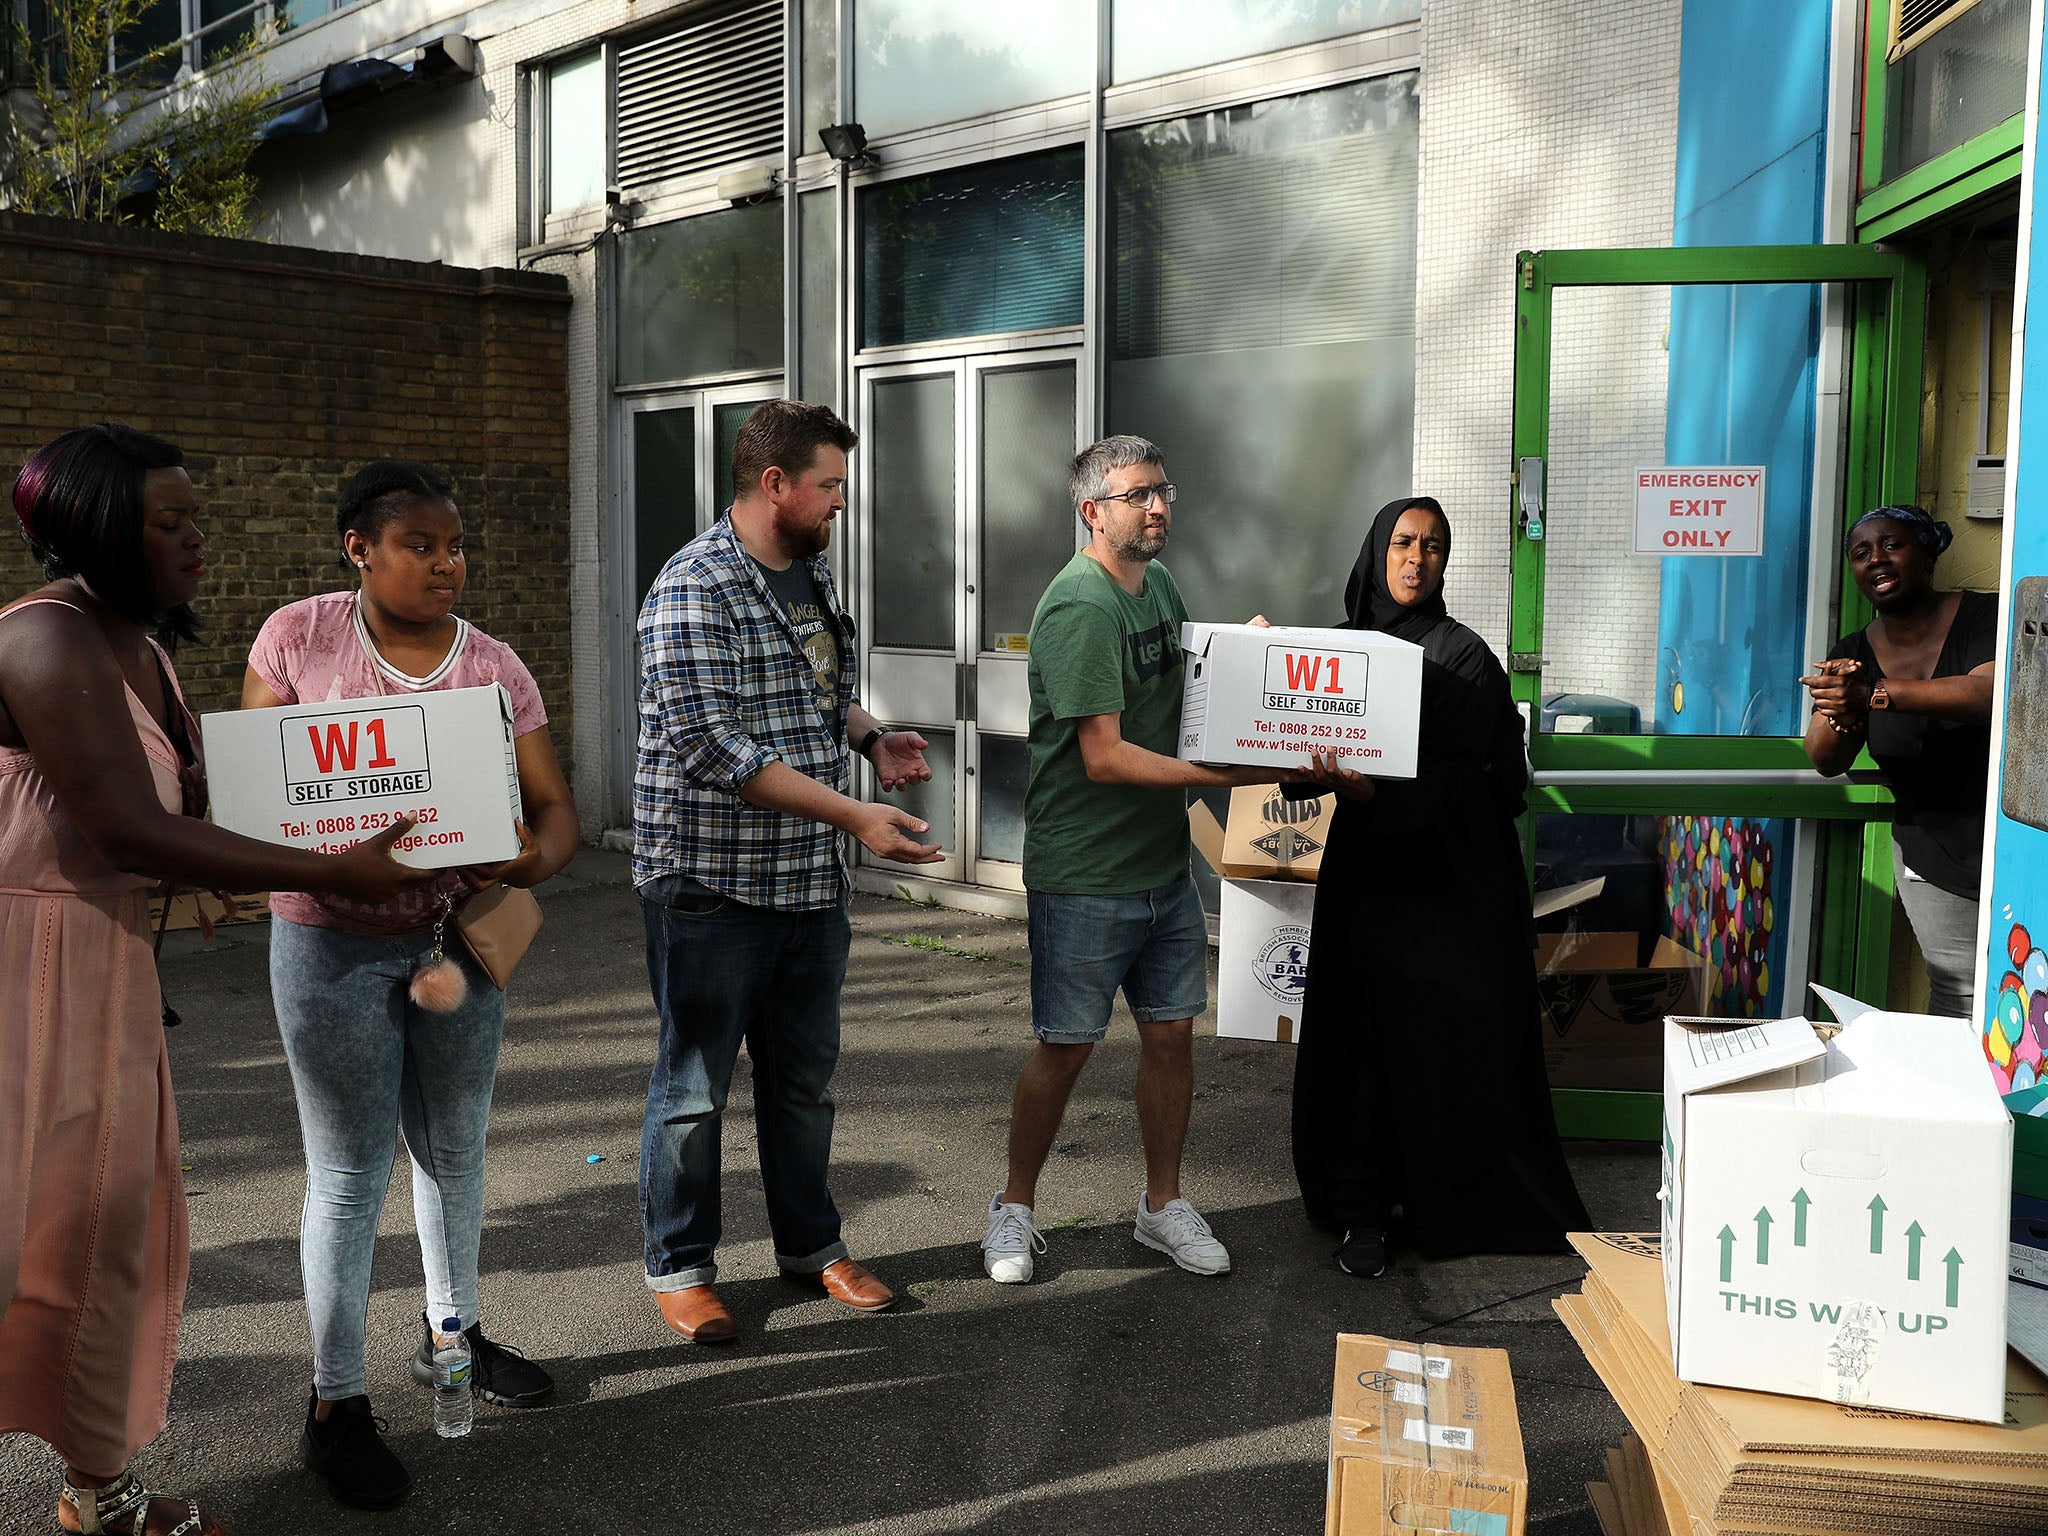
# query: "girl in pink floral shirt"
(368, 1061)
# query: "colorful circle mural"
(1720, 893)
(2018, 1027)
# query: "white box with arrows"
(1836, 1210)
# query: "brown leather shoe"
(697, 1314)
(845, 1281)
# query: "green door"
(1689, 427)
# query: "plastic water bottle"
(453, 1410)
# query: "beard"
(1140, 543)
(800, 542)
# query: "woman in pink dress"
(100, 795)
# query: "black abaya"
(1419, 1079)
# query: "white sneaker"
(1180, 1233)
(1006, 1251)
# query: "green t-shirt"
(1097, 650)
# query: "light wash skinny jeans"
(1945, 925)
(365, 1063)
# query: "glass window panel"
(817, 287)
(919, 62)
(1005, 770)
(664, 491)
(820, 23)
(995, 247)
(726, 421)
(1694, 644)
(1696, 916)
(1263, 334)
(702, 296)
(1966, 78)
(161, 23)
(227, 25)
(1158, 37)
(911, 462)
(932, 801)
(576, 132)
(1028, 529)
(296, 13)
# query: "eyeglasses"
(1140, 496)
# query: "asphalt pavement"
(1114, 1394)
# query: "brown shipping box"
(1424, 1441)
(1603, 1014)
(1270, 837)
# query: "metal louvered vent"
(1914, 21)
(706, 94)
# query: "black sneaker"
(498, 1373)
(1363, 1252)
(349, 1451)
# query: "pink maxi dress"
(93, 1242)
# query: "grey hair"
(1088, 477)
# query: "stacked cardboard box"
(1268, 853)
(1723, 1462)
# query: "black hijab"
(1369, 604)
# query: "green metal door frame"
(1722, 775)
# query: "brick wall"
(281, 371)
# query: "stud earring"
(362, 565)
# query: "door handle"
(965, 678)
(1529, 496)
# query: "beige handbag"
(496, 926)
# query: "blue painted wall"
(1752, 115)
(2014, 1008)
(1751, 170)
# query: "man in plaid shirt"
(740, 792)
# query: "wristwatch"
(1879, 697)
(868, 741)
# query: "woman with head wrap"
(1914, 684)
(1419, 1082)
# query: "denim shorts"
(1154, 944)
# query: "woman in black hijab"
(1419, 1081)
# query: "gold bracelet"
(1837, 727)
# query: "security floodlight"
(848, 144)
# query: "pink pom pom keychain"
(439, 985)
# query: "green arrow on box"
(1800, 1202)
(1877, 1223)
(1763, 1234)
(1727, 1254)
(1913, 1236)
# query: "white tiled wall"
(1551, 125)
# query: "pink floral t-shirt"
(310, 652)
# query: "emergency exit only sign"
(1700, 510)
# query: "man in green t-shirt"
(1106, 854)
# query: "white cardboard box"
(1263, 931)
(1262, 958)
(1836, 1212)
(1274, 695)
(325, 776)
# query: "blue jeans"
(367, 1062)
(724, 972)
(1154, 944)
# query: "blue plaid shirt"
(725, 690)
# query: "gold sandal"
(102, 1511)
